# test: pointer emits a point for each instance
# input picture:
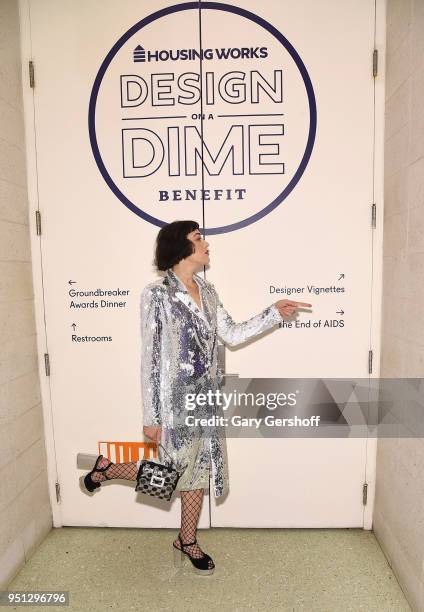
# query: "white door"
(301, 220)
(281, 97)
(93, 152)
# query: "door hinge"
(375, 62)
(370, 362)
(47, 363)
(364, 493)
(31, 74)
(38, 222)
(373, 216)
(58, 492)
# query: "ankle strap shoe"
(200, 565)
(87, 483)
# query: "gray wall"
(25, 512)
(399, 516)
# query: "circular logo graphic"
(202, 110)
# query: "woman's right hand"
(153, 432)
(287, 308)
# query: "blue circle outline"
(242, 13)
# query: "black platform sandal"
(87, 483)
(200, 565)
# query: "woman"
(181, 318)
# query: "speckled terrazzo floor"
(325, 570)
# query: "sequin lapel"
(178, 289)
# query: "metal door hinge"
(58, 492)
(373, 216)
(38, 222)
(370, 362)
(364, 493)
(375, 62)
(47, 363)
(31, 74)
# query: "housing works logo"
(165, 55)
(183, 125)
(139, 54)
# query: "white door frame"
(36, 250)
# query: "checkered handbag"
(156, 479)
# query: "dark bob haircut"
(172, 244)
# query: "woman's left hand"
(286, 308)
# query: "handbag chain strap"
(165, 451)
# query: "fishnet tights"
(127, 471)
(191, 503)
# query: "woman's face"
(200, 256)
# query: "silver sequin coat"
(179, 355)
